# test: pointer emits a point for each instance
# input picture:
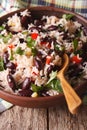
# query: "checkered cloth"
(6, 6)
(79, 6)
(4, 105)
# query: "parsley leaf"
(19, 51)
(68, 16)
(30, 42)
(52, 76)
(36, 88)
(55, 85)
(75, 44)
(2, 28)
(1, 64)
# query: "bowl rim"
(5, 94)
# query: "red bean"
(52, 28)
(5, 57)
(11, 82)
(25, 20)
(39, 63)
(21, 40)
(11, 65)
(26, 92)
(26, 83)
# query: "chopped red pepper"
(48, 59)
(76, 59)
(43, 43)
(48, 45)
(16, 64)
(11, 46)
(34, 36)
(36, 74)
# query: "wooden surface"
(58, 118)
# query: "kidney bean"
(11, 82)
(25, 20)
(5, 57)
(26, 83)
(52, 28)
(35, 28)
(25, 92)
(39, 63)
(11, 65)
(40, 22)
(21, 40)
(50, 68)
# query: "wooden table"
(58, 118)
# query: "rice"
(32, 52)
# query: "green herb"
(52, 76)
(11, 55)
(61, 27)
(30, 42)
(53, 82)
(2, 28)
(25, 32)
(1, 36)
(75, 44)
(56, 47)
(78, 52)
(1, 64)
(34, 51)
(68, 16)
(36, 88)
(20, 51)
(55, 85)
(78, 33)
(6, 38)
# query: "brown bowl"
(49, 101)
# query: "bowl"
(48, 101)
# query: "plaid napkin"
(4, 105)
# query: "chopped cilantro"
(30, 42)
(2, 28)
(36, 88)
(75, 44)
(6, 38)
(1, 64)
(20, 51)
(68, 16)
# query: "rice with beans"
(31, 53)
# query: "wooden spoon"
(72, 99)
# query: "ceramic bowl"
(49, 101)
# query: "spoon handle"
(72, 99)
